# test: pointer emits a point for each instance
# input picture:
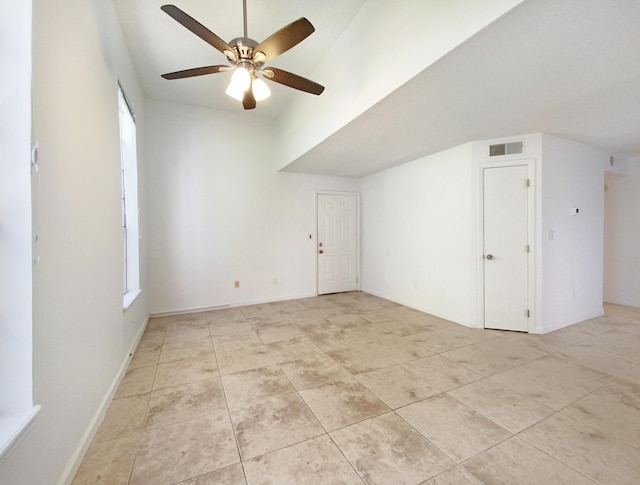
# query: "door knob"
(321, 251)
(489, 257)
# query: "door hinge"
(528, 313)
(528, 248)
(528, 182)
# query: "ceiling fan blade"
(196, 27)
(285, 38)
(249, 100)
(196, 71)
(293, 80)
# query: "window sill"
(13, 428)
(128, 298)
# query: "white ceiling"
(565, 67)
(159, 44)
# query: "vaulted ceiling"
(159, 44)
(566, 67)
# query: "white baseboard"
(423, 310)
(76, 458)
(13, 429)
(559, 325)
(168, 313)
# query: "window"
(129, 175)
(17, 411)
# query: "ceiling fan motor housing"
(242, 54)
(243, 47)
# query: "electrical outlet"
(236, 284)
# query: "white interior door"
(337, 243)
(506, 239)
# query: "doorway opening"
(507, 228)
(338, 248)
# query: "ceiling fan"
(247, 58)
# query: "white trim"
(185, 311)
(409, 304)
(531, 259)
(130, 197)
(76, 457)
(13, 429)
(19, 199)
(129, 297)
(257, 301)
(358, 245)
(582, 318)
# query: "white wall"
(568, 248)
(572, 245)
(219, 212)
(81, 337)
(532, 152)
(386, 44)
(15, 210)
(419, 234)
(622, 236)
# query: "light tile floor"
(350, 388)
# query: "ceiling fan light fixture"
(234, 91)
(247, 58)
(260, 89)
(241, 79)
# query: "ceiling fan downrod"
(244, 17)
(247, 57)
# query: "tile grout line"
(144, 419)
(224, 393)
(354, 375)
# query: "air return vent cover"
(513, 148)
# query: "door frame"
(531, 225)
(315, 245)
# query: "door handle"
(489, 256)
(321, 251)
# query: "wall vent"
(513, 148)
